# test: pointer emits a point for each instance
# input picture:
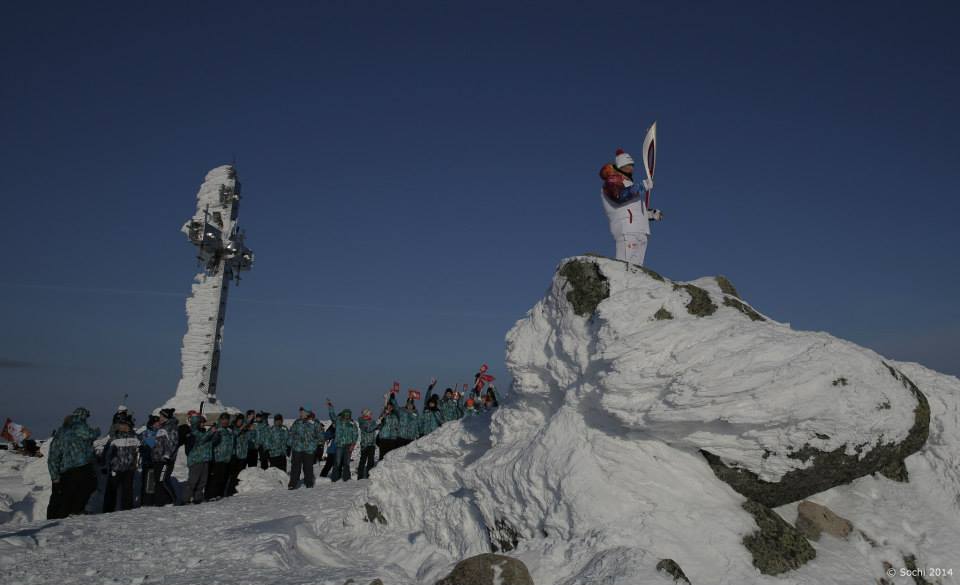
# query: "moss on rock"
(743, 308)
(700, 304)
(830, 468)
(652, 274)
(727, 287)
(588, 286)
(776, 547)
(662, 314)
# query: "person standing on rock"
(624, 200)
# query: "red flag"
(415, 394)
(13, 432)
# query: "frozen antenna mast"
(222, 255)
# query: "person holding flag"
(626, 200)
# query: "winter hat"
(81, 413)
(121, 408)
(366, 413)
(166, 412)
(623, 159)
(278, 417)
(346, 413)
(470, 402)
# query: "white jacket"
(628, 218)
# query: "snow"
(591, 464)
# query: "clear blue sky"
(413, 172)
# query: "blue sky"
(413, 172)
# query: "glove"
(648, 184)
(654, 214)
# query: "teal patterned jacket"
(223, 444)
(409, 424)
(346, 430)
(71, 447)
(275, 441)
(202, 451)
(368, 432)
(430, 421)
(302, 436)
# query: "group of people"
(219, 450)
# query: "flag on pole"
(414, 394)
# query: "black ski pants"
(78, 484)
(252, 454)
(280, 462)
(301, 460)
(386, 445)
(328, 464)
(341, 464)
(367, 461)
(122, 482)
(217, 480)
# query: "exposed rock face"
(828, 469)
(671, 568)
(776, 547)
(814, 519)
(489, 569)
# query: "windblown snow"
(591, 471)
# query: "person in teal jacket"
(347, 435)
(302, 440)
(70, 462)
(223, 449)
(275, 443)
(261, 428)
(430, 418)
(368, 443)
(409, 424)
(389, 428)
(241, 447)
(199, 449)
(451, 407)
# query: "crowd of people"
(217, 451)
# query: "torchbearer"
(627, 201)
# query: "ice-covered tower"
(222, 255)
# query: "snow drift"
(640, 408)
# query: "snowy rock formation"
(653, 420)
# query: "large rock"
(776, 546)
(623, 381)
(814, 519)
(488, 569)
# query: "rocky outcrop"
(671, 568)
(776, 547)
(488, 569)
(828, 469)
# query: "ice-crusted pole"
(222, 255)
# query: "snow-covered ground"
(590, 472)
